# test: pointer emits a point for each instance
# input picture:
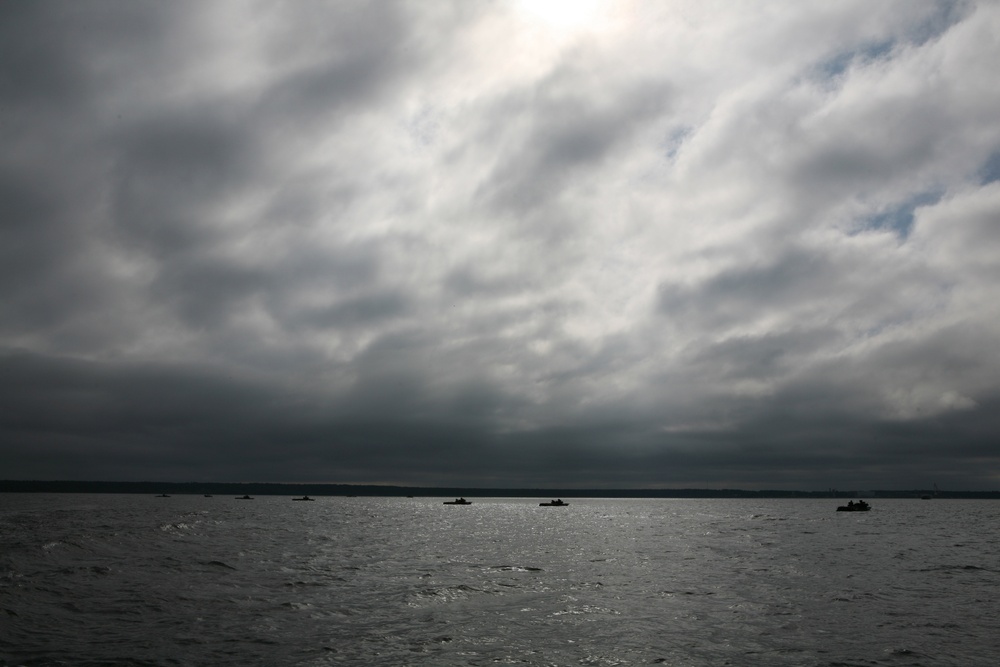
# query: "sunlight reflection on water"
(195, 580)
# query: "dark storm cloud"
(49, 271)
(460, 244)
(362, 46)
(59, 71)
(205, 291)
(468, 281)
(52, 53)
(805, 287)
(761, 357)
(122, 414)
(566, 132)
(170, 174)
(30, 218)
(167, 166)
(362, 310)
(737, 294)
(208, 419)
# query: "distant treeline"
(272, 489)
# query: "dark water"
(187, 580)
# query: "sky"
(502, 243)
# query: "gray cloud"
(670, 246)
(571, 123)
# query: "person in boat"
(850, 503)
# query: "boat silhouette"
(851, 506)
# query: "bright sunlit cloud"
(564, 15)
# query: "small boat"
(457, 501)
(208, 495)
(851, 506)
(163, 495)
(304, 498)
(554, 503)
(243, 498)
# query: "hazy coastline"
(269, 488)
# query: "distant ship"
(457, 501)
(304, 498)
(554, 503)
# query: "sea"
(114, 579)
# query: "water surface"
(188, 580)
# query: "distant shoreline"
(286, 489)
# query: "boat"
(304, 498)
(851, 506)
(554, 503)
(243, 498)
(163, 495)
(457, 501)
(208, 495)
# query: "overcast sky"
(501, 243)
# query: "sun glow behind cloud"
(566, 16)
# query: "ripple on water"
(404, 581)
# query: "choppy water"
(187, 580)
